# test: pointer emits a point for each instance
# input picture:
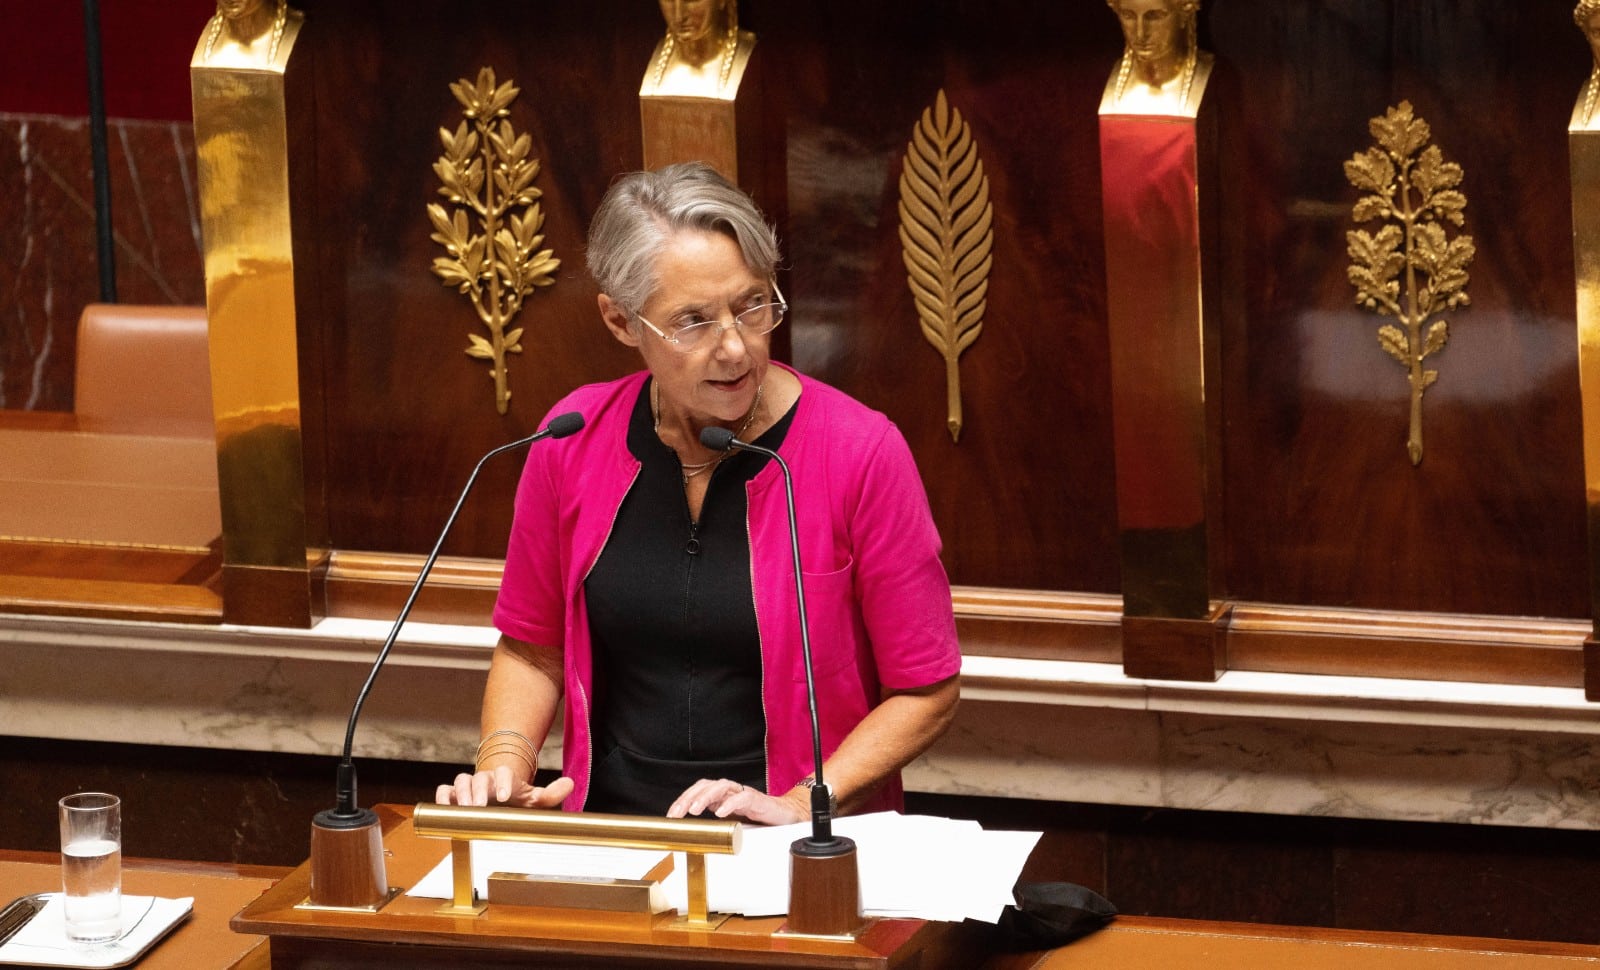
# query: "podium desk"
(407, 932)
(204, 940)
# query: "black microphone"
(721, 439)
(824, 880)
(345, 815)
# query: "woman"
(650, 580)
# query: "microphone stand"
(347, 869)
(824, 879)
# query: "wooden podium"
(407, 932)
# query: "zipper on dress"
(761, 645)
(588, 735)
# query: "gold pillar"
(688, 100)
(1583, 144)
(241, 137)
(1154, 153)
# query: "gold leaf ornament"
(485, 172)
(1411, 269)
(946, 237)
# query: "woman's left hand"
(724, 798)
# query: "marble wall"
(48, 270)
(1347, 802)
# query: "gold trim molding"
(1412, 191)
(946, 236)
(485, 169)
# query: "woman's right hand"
(500, 787)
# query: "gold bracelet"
(477, 765)
(507, 733)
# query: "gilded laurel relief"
(1410, 269)
(946, 236)
(485, 170)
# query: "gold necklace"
(730, 47)
(1189, 65)
(689, 471)
(278, 23)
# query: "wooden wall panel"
(1323, 505)
(1025, 498)
(408, 412)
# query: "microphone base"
(824, 889)
(347, 868)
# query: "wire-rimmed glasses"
(756, 321)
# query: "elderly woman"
(650, 580)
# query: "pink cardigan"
(877, 597)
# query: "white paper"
(911, 866)
(43, 941)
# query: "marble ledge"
(1059, 731)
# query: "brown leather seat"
(144, 370)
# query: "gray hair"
(641, 209)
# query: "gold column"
(688, 100)
(1583, 143)
(241, 137)
(1154, 150)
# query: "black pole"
(97, 149)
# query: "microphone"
(824, 886)
(337, 834)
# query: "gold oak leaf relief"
(485, 171)
(946, 237)
(1410, 269)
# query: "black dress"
(677, 653)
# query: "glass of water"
(91, 866)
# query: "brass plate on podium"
(307, 904)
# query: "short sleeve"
(530, 604)
(902, 588)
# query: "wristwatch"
(810, 781)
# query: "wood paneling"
(110, 582)
(408, 412)
(1025, 499)
(1323, 505)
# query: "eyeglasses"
(756, 321)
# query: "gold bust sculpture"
(703, 54)
(249, 34)
(1587, 16)
(1162, 70)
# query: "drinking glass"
(91, 866)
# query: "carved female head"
(692, 22)
(237, 9)
(1587, 16)
(1157, 31)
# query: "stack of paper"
(910, 865)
